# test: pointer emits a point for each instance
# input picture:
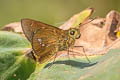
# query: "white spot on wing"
(43, 44)
(40, 40)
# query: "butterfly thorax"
(68, 39)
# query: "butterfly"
(47, 40)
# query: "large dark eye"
(72, 32)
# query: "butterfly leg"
(72, 54)
(53, 61)
(68, 53)
(84, 53)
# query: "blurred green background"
(53, 12)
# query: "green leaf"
(14, 64)
(102, 68)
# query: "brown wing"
(46, 43)
(44, 46)
(30, 26)
(44, 38)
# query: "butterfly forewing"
(30, 26)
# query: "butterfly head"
(74, 33)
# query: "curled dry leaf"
(77, 19)
(98, 36)
(15, 27)
(112, 26)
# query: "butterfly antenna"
(87, 22)
(84, 53)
